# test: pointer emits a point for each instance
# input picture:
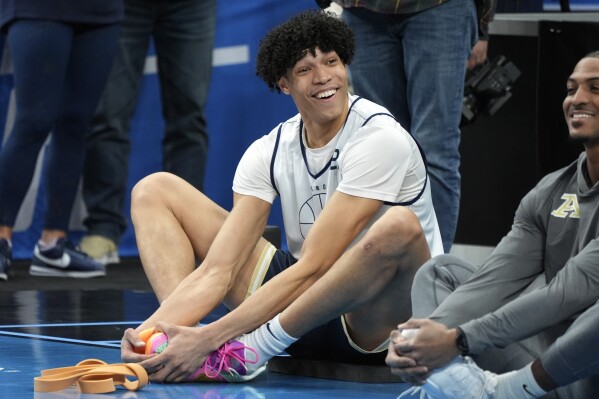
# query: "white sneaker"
(460, 379)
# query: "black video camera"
(323, 3)
(488, 87)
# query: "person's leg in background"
(65, 71)
(184, 41)
(108, 145)
(378, 49)
(91, 56)
(39, 51)
(421, 66)
(435, 55)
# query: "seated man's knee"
(396, 232)
(446, 269)
(401, 226)
(150, 190)
(425, 271)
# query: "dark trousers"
(59, 73)
(183, 35)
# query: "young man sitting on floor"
(358, 216)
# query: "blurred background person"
(411, 58)
(183, 35)
(62, 52)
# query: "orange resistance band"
(92, 376)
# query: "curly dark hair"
(287, 43)
(592, 54)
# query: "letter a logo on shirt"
(569, 208)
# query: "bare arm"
(340, 222)
(206, 287)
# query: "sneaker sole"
(243, 378)
(109, 259)
(35, 270)
(3, 276)
(247, 377)
(229, 377)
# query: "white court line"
(104, 323)
(108, 343)
(59, 339)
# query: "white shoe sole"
(35, 270)
(242, 378)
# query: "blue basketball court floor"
(42, 329)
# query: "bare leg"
(175, 224)
(370, 283)
(6, 232)
(50, 236)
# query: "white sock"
(46, 245)
(268, 340)
(518, 384)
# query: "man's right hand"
(132, 347)
(432, 347)
(404, 366)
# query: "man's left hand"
(478, 55)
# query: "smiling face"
(318, 85)
(581, 105)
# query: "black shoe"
(5, 258)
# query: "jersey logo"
(569, 208)
(309, 211)
(334, 160)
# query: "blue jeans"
(414, 65)
(183, 34)
(59, 73)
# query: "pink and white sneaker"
(226, 364)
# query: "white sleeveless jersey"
(372, 156)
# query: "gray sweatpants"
(575, 355)
(564, 349)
